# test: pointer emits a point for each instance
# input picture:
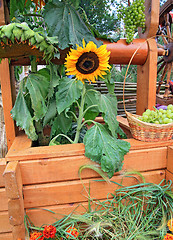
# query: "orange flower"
(36, 235)
(170, 225)
(73, 231)
(49, 231)
(168, 236)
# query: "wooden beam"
(8, 101)
(146, 80)
(2, 14)
(13, 185)
(170, 159)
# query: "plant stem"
(33, 64)
(80, 117)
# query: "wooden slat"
(40, 216)
(66, 168)
(4, 223)
(2, 168)
(170, 159)
(8, 101)
(169, 176)
(18, 232)
(73, 191)
(6, 236)
(3, 200)
(146, 80)
(28, 153)
(13, 180)
(2, 15)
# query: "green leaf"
(107, 104)
(64, 21)
(51, 112)
(37, 86)
(90, 100)
(101, 147)
(63, 122)
(69, 91)
(22, 116)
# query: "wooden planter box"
(47, 178)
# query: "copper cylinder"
(121, 52)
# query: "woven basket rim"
(158, 126)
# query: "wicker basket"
(149, 132)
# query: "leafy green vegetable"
(22, 116)
(69, 91)
(38, 87)
(101, 147)
(107, 104)
(64, 21)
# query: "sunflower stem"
(80, 117)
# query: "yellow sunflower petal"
(87, 62)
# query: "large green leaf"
(63, 123)
(64, 21)
(69, 91)
(91, 100)
(51, 112)
(107, 104)
(22, 116)
(37, 86)
(101, 147)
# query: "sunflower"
(87, 62)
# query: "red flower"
(73, 231)
(36, 235)
(168, 236)
(49, 231)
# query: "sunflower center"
(87, 63)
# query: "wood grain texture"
(169, 175)
(146, 80)
(5, 226)
(170, 159)
(22, 150)
(73, 191)
(16, 211)
(6, 236)
(66, 168)
(3, 200)
(2, 14)
(18, 232)
(8, 101)
(13, 180)
(2, 168)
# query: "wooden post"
(13, 186)
(8, 90)
(146, 80)
(147, 74)
(169, 171)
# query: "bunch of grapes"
(133, 17)
(161, 116)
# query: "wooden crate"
(47, 178)
(5, 227)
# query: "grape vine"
(133, 17)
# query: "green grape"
(133, 17)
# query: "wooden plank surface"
(73, 191)
(2, 15)
(3, 200)
(66, 168)
(6, 236)
(21, 149)
(40, 216)
(169, 175)
(170, 159)
(13, 180)
(8, 101)
(5, 226)
(2, 168)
